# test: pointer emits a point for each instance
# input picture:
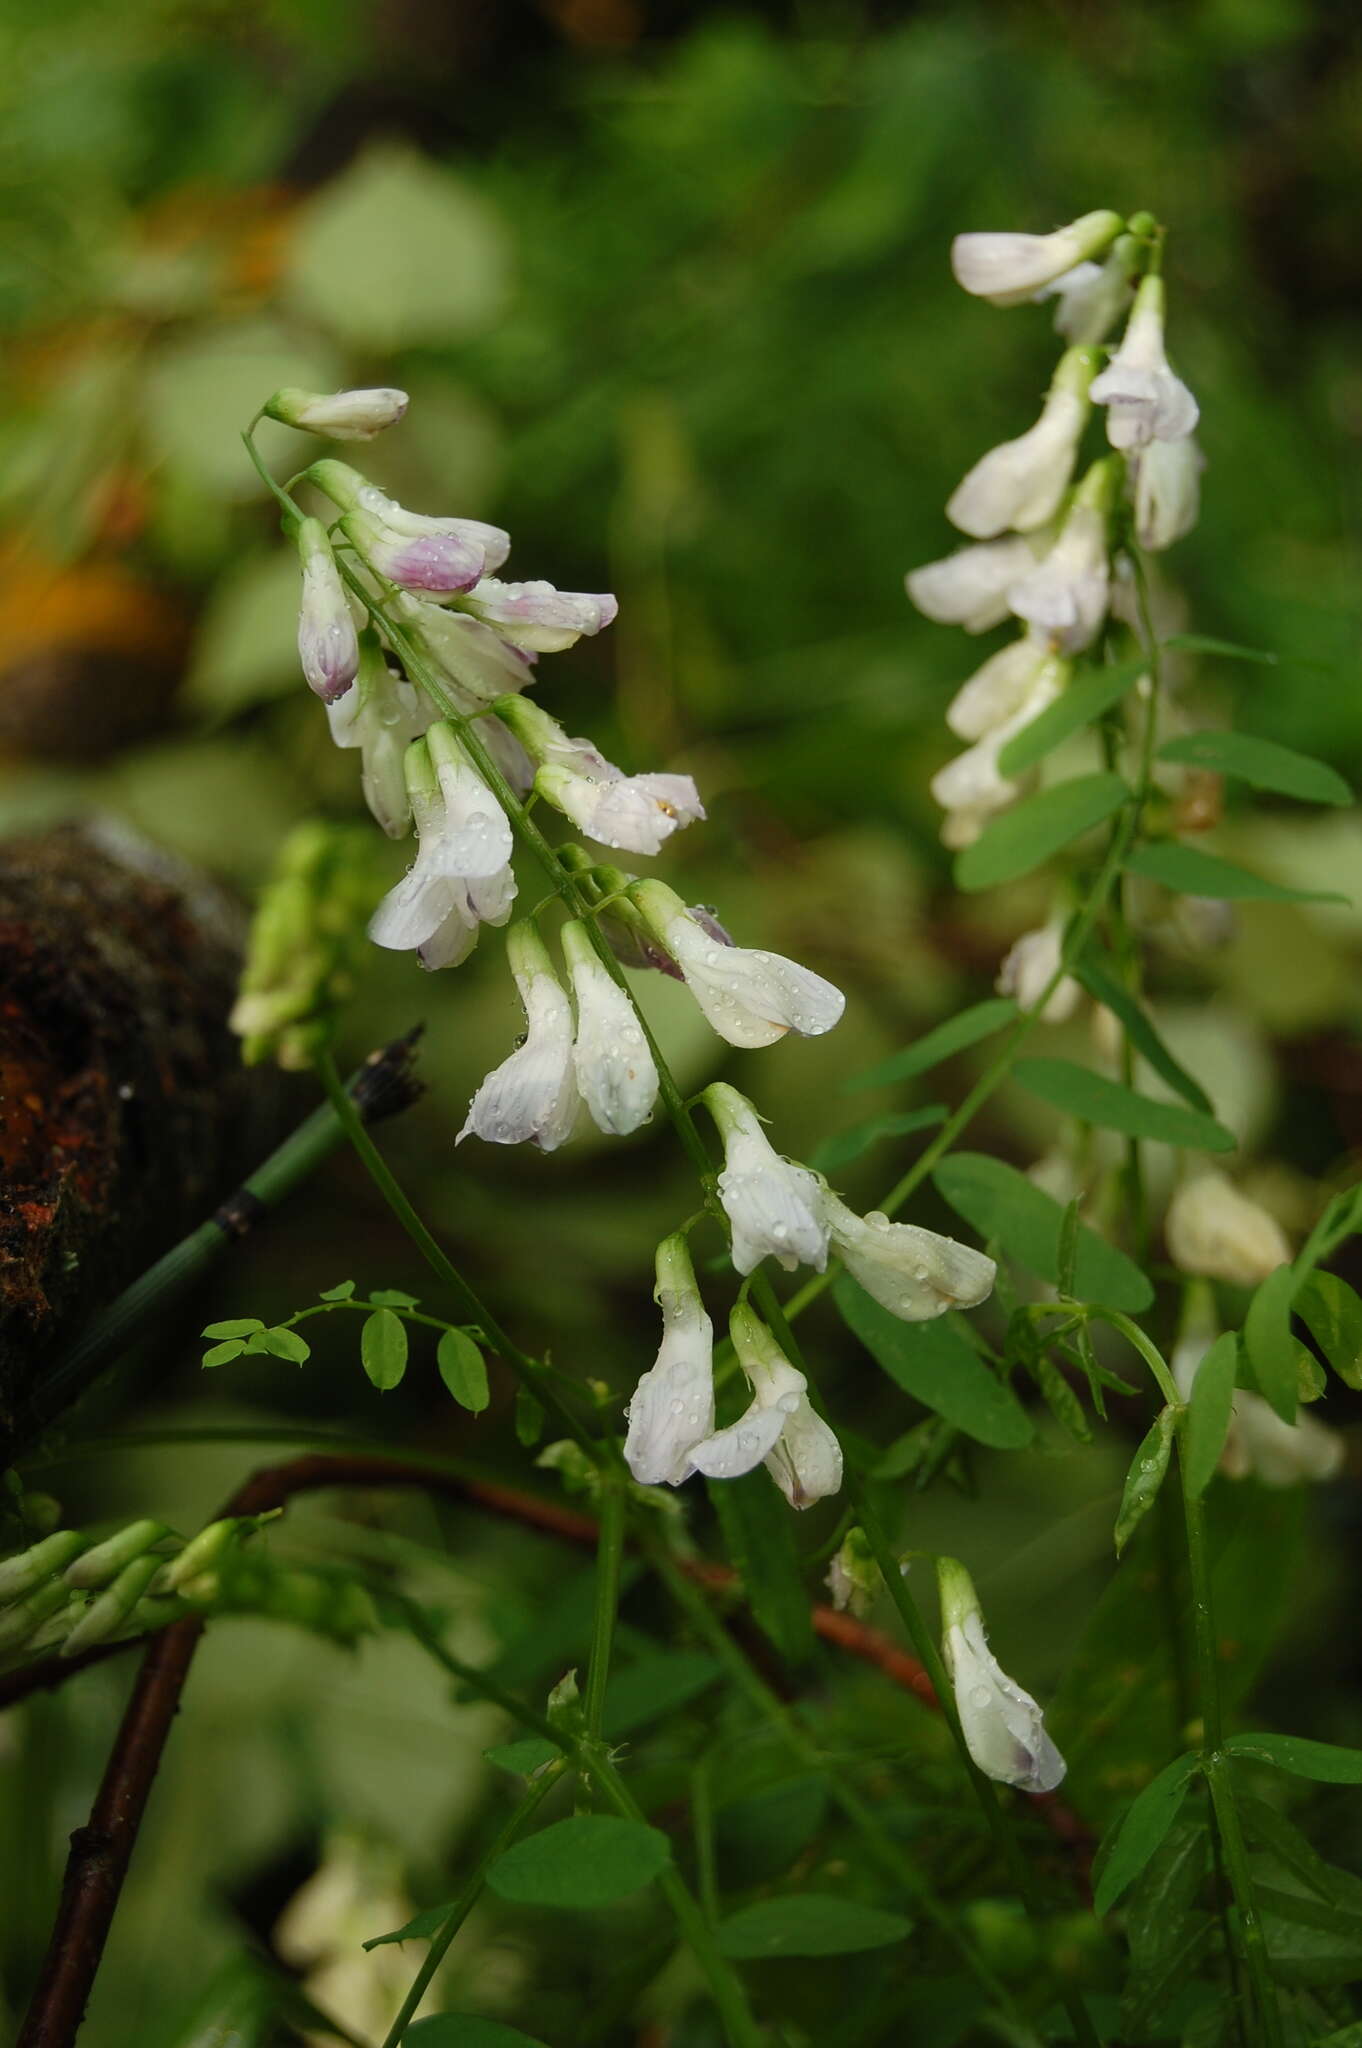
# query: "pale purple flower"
(328, 644)
(536, 616)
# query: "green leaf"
(523, 1759)
(1269, 1343)
(1038, 828)
(589, 1860)
(419, 1928)
(844, 1146)
(392, 1297)
(465, 2030)
(1340, 1221)
(1310, 1941)
(383, 1348)
(463, 1370)
(341, 1292)
(288, 1344)
(934, 1364)
(1141, 1829)
(244, 1326)
(809, 1924)
(1332, 1314)
(758, 1535)
(981, 1020)
(1066, 1256)
(433, 255)
(529, 1419)
(1148, 1470)
(1060, 1398)
(220, 1353)
(1001, 1203)
(1204, 643)
(1208, 1413)
(1260, 762)
(1087, 698)
(1140, 1031)
(1326, 1763)
(1094, 1099)
(1194, 873)
(656, 1685)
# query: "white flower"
(1027, 970)
(1091, 297)
(972, 782)
(381, 715)
(1021, 483)
(1066, 595)
(780, 1429)
(672, 1408)
(970, 588)
(1144, 400)
(1000, 687)
(1003, 1727)
(614, 1067)
(1214, 1231)
(461, 874)
(340, 415)
(1167, 491)
(636, 813)
(774, 1206)
(533, 1094)
(328, 645)
(535, 615)
(1009, 269)
(750, 997)
(1258, 1444)
(475, 663)
(914, 1273)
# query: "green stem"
(467, 1899)
(985, 1792)
(702, 1827)
(609, 1558)
(528, 1371)
(1216, 1767)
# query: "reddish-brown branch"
(101, 1851)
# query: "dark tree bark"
(125, 1112)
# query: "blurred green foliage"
(672, 302)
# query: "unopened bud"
(306, 946)
(200, 1553)
(17, 1624)
(339, 415)
(111, 1609)
(106, 1560)
(328, 644)
(19, 1575)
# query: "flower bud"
(1029, 967)
(19, 1623)
(1214, 1231)
(774, 1206)
(104, 1561)
(328, 645)
(1009, 269)
(107, 1613)
(616, 1075)
(672, 1407)
(1003, 1727)
(306, 948)
(339, 415)
(30, 1568)
(536, 616)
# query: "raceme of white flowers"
(1048, 533)
(1003, 1727)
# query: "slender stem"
(998, 1822)
(530, 1372)
(609, 1558)
(539, 1790)
(702, 1827)
(1217, 1771)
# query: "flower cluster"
(1044, 543)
